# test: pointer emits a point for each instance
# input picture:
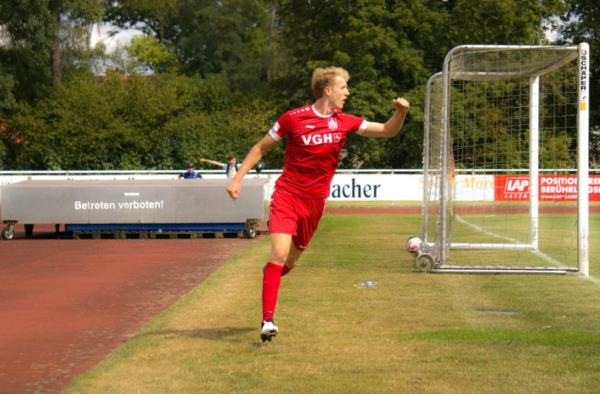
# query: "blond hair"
(324, 77)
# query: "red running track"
(66, 304)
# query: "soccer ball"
(413, 244)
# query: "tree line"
(209, 78)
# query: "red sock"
(271, 282)
(285, 270)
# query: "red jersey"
(314, 143)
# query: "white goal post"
(515, 117)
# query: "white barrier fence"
(344, 187)
(374, 185)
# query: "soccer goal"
(505, 162)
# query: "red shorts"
(296, 216)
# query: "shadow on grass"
(227, 334)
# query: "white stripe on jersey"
(273, 131)
(362, 128)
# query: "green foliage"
(37, 33)
(581, 25)
(3, 153)
(7, 99)
(156, 17)
(223, 71)
(502, 21)
(223, 38)
(30, 29)
(151, 54)
(138, 122)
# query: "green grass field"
(414, 333)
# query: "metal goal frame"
(434, 255)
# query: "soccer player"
(315, 136)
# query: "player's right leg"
(292, 260)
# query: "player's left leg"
(292, 260)
(309, 213)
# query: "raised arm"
(253, 157)
(390, 128)
(216, 163)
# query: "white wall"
(344, 187)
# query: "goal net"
(505, 161)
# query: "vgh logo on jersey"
(318, 139)
(332, 124)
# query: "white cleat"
(268, 331)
